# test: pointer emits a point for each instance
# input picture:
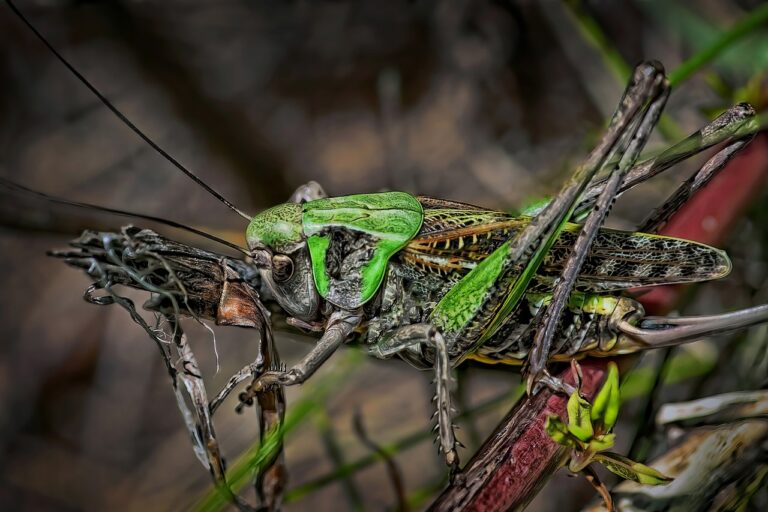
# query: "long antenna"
(53, 199)
(122, 116)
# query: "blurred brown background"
(487, 102)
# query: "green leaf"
(602, 443)
(558, 431)
(725, 40)
(631, 470)
(579, 422)
(605, 408)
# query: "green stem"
(241, 472)
(742, 28)
(334, 451)
(594, 35)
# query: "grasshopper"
(438, 282)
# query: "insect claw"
(456, 476)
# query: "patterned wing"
(454, 237)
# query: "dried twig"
(186, 281)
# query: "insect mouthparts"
(261, 258)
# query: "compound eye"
(282, 267)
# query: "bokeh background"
(487, 102)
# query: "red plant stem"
(519, 457)
(515, 461)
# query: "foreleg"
(340, 325)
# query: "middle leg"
(426, 335)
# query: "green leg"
(729, 122)
(475, 308)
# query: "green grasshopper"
(438, 282)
